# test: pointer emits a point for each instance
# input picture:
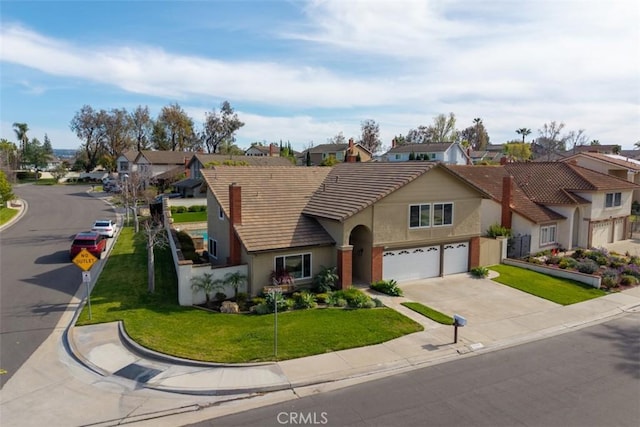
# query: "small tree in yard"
(235, 280)
(156, 238)
(206, 284)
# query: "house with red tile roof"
(560, 205)
(372, 221)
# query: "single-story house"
(450, 153)
(341, 152)
(559, 205)
(373, 221)
(271, 150)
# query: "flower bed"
(596, 267)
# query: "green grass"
(555, 289)
(189, 217)
(158, 322)
(432, 314)
(6, 214)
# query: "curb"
(24, 207)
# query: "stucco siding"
(217, 229)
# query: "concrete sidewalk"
(497, 315)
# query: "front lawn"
(6, 214)
(189, 217)
(158, 322)
(429, 312)
(555, 289)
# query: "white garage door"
(411, 264)
(456, 258)
(619, 227)
(601, 234)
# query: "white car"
(106, 227)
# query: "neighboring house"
(540, 153)
(341, 152)
(372, 221)
(150, 163)
(448, 153)
(272, 150)
(611, 164)
(125, 163)
(630, 154)
(191, 186)
(560, 205)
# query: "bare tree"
(156, 238)
(443, 129)
(370, 138)
(550, 139)
(576, 139)
(421, 135)
(337, 139)
(220, 128)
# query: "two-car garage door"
(424, 262)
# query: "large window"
(299, 266)
(547, 234)
(419, 216)
(442, 214)
(613, 200)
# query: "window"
(299, 266)
(398, 156)
(340, 156)
(442, 214)
(124, 166)
(613, 200)
(547, 234)
(213, 248)
(220, 212)
(419, 216)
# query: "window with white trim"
(298, 266)
(442, 214)
(613, 200)
(548, 234)
(213, 248)
(419, 216)
(220, 212)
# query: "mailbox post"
(458, 321)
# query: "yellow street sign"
(85, 259)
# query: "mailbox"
(459, 320)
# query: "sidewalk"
(106, 350)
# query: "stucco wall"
(218, 229)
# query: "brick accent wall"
(345, 259)
(376, 263)
(474, 252)
(235, 217)
(507, 188)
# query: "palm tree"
(21, 130)
(524, 132)
(206, 284)
(235, 280)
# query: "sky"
(304, 71)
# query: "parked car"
(106, 227)
(94, 242)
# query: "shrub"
(369, 304)
(278, 299)
(197, 208)
(568, 262)
(220, 296)
(377, 302)
(610, 278)
(617, 262)
(326, 280)
(262, 308)
(578, 254)
(480, 271)
(341, 302)
(322, 297)
(630, 270)
(242, 299)
(553, 260)
(389, 287)
(600, 255)
(587, 266)
(627, 280)
(355, 298)
(180, 209)
(304, 300)
(496, 230)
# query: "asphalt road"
(37, 279)
(590, 377)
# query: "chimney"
(507, 190)
(468, 155)
(235, 218)
(393, 143)
(271, 150)
(351, 158)
(503, 160)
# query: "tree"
(475, 136)
(575, 139)
(307, 158)
(370, 138)
(421, 135)
(443, 129)
(518, 151)
(220, 127)
(59, 172)
(596, 142)
(6, 192)
(88, 126)
(636, 146)
(159, 137)
(46, 146)
(35, 155)
(235, 280)
(524, 132)
(21, 130)
(337, 139)
(156, 238)
(117, 131)
(178, 127)
(550, 138)
(206, 284)
(8, 158)
(141, 127)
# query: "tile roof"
(489, 179)
(352, 187)
(164, 157)
(421, 148)
(612, 159)
(273, 198)
(328, 148)
(249, 160)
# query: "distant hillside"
(64, 152)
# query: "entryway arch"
(361, 239)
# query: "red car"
(91, 241)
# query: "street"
(590, 377)
(38, 279)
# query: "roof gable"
(611, 159)
(164, 157)
(220, 159)
(421, 148)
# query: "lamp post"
(275, 291)
(126, 195)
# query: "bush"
(326, 280)
(304, 300)
(480, 271)
(389, 287)
(496, 230)
(617, 262)
(242, 299)
(578, 254)
(627, 280)
(322, 297)
(610, 278)
(220, 296)
(377, 302)
(197, 208)
(553, 260)
(355, 298)
(587, 266)
(601, 256)
(630, 270)
(180, 209)
(568, 262)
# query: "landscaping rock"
(229, 307)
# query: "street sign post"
(86, 278)
(85, 259)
